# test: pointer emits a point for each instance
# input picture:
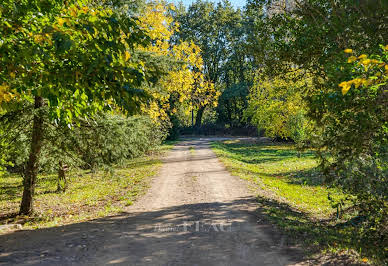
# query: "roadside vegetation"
(89, 195)
(293, 195)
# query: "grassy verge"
(89, 195)
(293, 196)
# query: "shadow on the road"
(207, 233)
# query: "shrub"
(110, 139)
(102, 141)
(355, 137)
(276, 105)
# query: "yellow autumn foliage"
(276, 105)
(186, 81)
(375, 71)
(5, 93)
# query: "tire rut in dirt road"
(195, 213)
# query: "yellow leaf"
(73, 12)
(366, 62)
(345, 87)
(352, 59)
(348, 51)
(3, 87)
(343, 83)
(363, 56)
(61, 21)
(38, 38)
(127, 55)
(358, 82)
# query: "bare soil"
(195, 213)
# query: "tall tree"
(238, 75)
(184, 76)
(341, 45)
(208, 25)
(74, 58)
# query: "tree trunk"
(198, 118)
(192, 120)
(31, 172)
(62, 168)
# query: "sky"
(235, 3)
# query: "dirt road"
(195, 213)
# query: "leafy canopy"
(74, 54)
(276, 105)
(184, 77)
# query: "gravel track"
(195, 213)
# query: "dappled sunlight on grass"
(89, 194)
(292, 195)
(279, 168)
(335, 239)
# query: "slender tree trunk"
(31, 172)
(198, 118)
(192, 120)
(62, 168)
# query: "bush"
(102, 141)
(355, 137)
(110, 139)
(276, 105)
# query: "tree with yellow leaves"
(371, 71)
(5, 94)
(277, 106)
(183, 77)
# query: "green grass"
(89, 195)
(279, 170)
(292, 195)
